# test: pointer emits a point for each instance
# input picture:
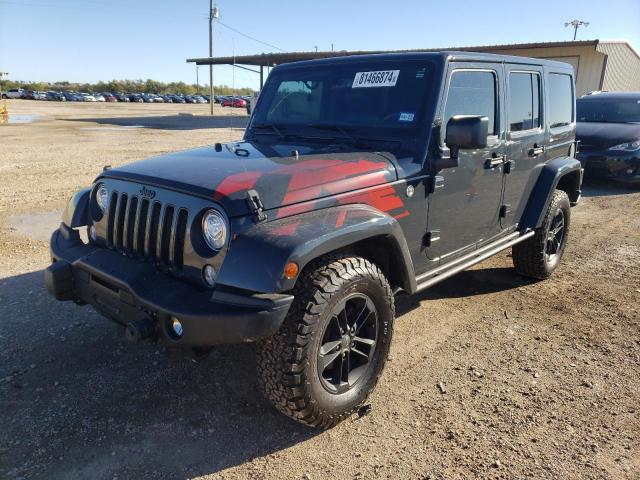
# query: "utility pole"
(197, 81)
(576, 24)
(213, 14)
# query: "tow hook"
(139, 330)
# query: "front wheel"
(331, 349)
(540, 255)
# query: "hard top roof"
(439, 57)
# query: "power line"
(249, 36)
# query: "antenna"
(576, 24)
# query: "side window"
(524, 101)
(560, 100)
(471, 93)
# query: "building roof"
(272, 59)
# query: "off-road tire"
(530, 257)
(287, 362)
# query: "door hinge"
(437, 182)
(505, 210)
(509, 166)
(255, 206)
(431, 237)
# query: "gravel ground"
(491, 375)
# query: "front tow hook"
(139, 330)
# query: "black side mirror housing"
(466, 132)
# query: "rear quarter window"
(561, 102)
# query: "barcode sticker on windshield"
(382, 78)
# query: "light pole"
(213, 14)
(576, 24)
(197, 81)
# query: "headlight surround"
(627, 147)
(102, 197)
(214, 229)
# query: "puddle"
(39, 226)
(11, 119)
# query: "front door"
(464, 208)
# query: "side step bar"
(443, 272)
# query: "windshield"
(383, 94)
(609, 111)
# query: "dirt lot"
(542, 379)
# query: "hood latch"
(255, 206)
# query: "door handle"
(535, 151)
(493, 162)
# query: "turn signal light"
(291, 269)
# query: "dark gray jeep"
(358, 178)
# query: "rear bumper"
(126, 290)
(622, 167)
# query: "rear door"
(526, 137)
(464, 208)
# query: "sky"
(91, 40)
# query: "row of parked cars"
(71, 96)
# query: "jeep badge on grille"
(147, 192)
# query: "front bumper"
(127, 290)
(623, 167)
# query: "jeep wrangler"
(358, 178)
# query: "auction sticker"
(381, 78)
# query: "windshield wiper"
(270, 126)
(335, 128)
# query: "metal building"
(611, 65)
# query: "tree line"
(127, 86)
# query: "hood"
(597, 135)
(280, 179)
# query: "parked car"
(235, 102)
(136, 97)
(28, 95)
(39, 95)
(609, 133)
(177, 99)
(190, 99)
(109, 97)
(98, 97)
(87, 97)
(300, 235)
(13, 93)
(55, 96)
(121, 97)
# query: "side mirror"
(466, 132)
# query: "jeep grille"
(147, 229)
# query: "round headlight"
(214, 229)
(102, 197)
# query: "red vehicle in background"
(234, 102)
(109, 97)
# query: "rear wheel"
(540, 255)
(331, 349)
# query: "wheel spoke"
(359, 321)
(346, 368)
(326, 360)
(329, 347)
(366, 341)
(359, 352)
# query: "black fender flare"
(76, 213)
(257, 257)
(550, 177)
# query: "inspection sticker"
(406, 117)
(381, 78)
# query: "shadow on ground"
(481, 281)
(172, 122)
(80, 402)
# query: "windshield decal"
(406, 116)
(379, 78)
